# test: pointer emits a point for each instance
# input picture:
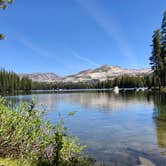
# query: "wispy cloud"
(58, 59)
(110, 26)
(35, 48)
(43, 53)
(84, 59)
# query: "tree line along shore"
(11, 82)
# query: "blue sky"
(66, 36)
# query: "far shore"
(84, 90)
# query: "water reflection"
(160, 118)
(109, 101)
(125, 125)
(106, 101)
(161, 133)
(160, 107)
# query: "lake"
(117, 128)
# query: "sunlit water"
(117, 128)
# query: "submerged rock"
(163, 153)
(145, 162)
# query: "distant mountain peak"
(101, 73)
(102, 68)
(43, 77)
(105, 68)
(85, 71)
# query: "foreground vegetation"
(26, 138)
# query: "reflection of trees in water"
(109, 101)
(47, 101)
(102, 100)
(161, 133)
(160, 107)
(160, 118)
(14, 101)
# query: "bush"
(26, 136)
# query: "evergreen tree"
(163, 30)
(10, 82)
(156, 59)
(163, 48)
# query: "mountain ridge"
(101, 73)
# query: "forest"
(11, 82)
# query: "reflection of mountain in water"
(107, 101)
(49, 101)
(112, 102)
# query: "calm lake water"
(117, 128)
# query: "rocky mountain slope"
(102, 73)
(42, 77)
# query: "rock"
(163, 153)
(145, 162)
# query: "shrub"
(26, 136)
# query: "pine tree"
(155, 59)
(10, 82)
(163, 30)
(163, 48)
